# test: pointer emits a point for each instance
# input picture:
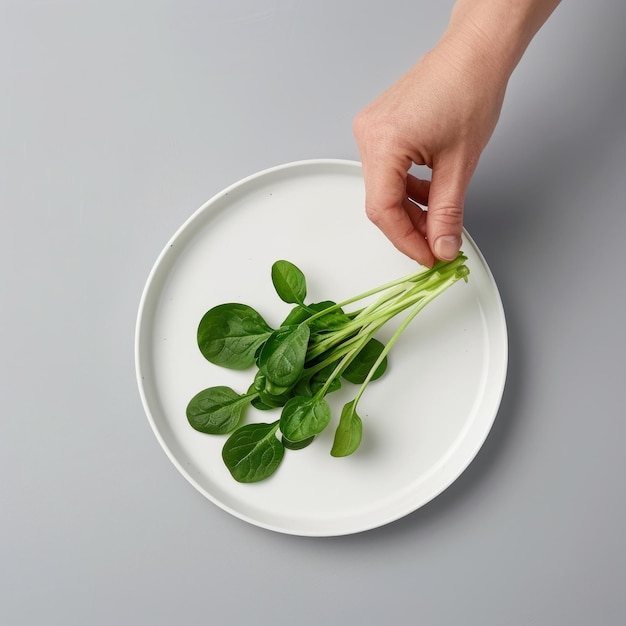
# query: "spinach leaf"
(268, 395)
(303, 387)
(333, 320)
(267, 404)
(360, 367)
(302, 418)
(253, 452)
(297, 445)
(297, 315)
(217, 410)
(349, 432)
(272, 400)
(229, 335)
(289, 282)
(257, 402)
(282, 357)
(319, 379)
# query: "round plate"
(423, 421)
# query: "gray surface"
(119, 119)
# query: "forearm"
(497, 32)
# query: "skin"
(441, 114)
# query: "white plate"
(424, 421)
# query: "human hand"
(441, 114)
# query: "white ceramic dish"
(424, 421)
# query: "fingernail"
(447, 247)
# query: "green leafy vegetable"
(297, 445)
(289, 282)
(253, 452)
(301, 362)
(361, 365)
(349, 432)
(297, 315)
(302, 418)
(332, 319)
(230, 334)
(217, 410)
(282, 357)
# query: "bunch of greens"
(298, 364)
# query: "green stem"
(347, 354)
(422, 274)
(417, 308)
(384, 309)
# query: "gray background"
(117, 120)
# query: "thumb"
(444, 218)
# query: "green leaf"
(335, 385)
(297, 315)
(349, 432)
(229, 335)
(253, 452)
(297, 445)
(257, 403)
(319, 379)
(333, 320)
(274, 389)
(302, 387)
(255, 400)
(302, 418)
(217, 410)
(289, 282)
(360, 367)
(282, 357)
(273, 401)
(268, 396)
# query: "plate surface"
(423, 422)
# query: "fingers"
(385, 172)
(417, 189)
(393, 196)
(392, 199)
(417, 215)
(444, 223)
(387, 206)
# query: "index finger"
(385, 196)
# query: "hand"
(441, 114)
